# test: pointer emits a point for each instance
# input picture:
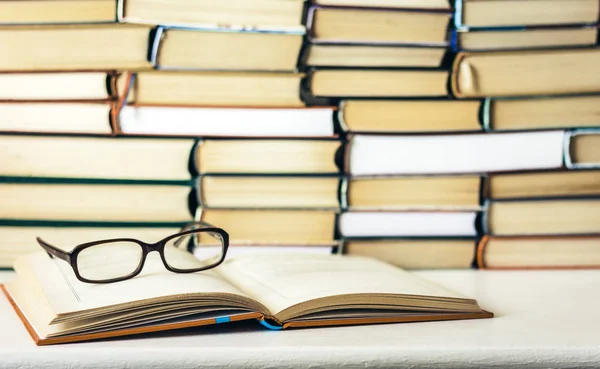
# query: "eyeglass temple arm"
(53, 251)
(191, 225)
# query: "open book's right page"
(282, 281)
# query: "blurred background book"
(428, 134)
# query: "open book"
(281, 291)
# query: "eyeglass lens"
(194, 251)
(109, 260)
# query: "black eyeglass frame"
(71, 256)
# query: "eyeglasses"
(198, 246)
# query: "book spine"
(486, 114)
(195, 197)
(340, 116)
(113, 118)
(337, 235)
(458, 16)
(347, 148)
(198, 214)
(272, 325)
(156, 36)
(302, 62)
(483, 226)
(199, 193)
(454, 75)
(192, 201)
(308, 97)
(484, 189)
(343, 193)
(123, 96)
(569, 163)
(310, 18)
(121, 17)
(194, 163)
(341, 248)
(454, 40)
(111, 84)
(480, 250)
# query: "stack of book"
(360, 48)
(535, 64)
(426, 134)
(422, 173)
(386, 63)
(77, 189)
(130, 118)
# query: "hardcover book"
(539, 252)
(301, 291)
(543, 112)
(235, 14)
(274, 227)
(378, 26)
(14, 12)
(269, 191)
(526, 38)
(91, 118)
(154, 120)
(377, 83)
(388, 224)
(59, 86)
(95, 202)
(526, 73)
(380, 56)
(461, 153)
(88, 46)
(368, 155)
(535, 217)
(224, 49)
(472, 14)
(96, 158)
(409, 116)
(416, 253)
(268, 156)
(460, 192)
(391, 4)
(244, 89)
(543, 184)
(470, 115)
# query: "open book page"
(35, 308)
(281, 281)
(66, 295)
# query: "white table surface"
(543, 319)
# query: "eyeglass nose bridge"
(151, 247)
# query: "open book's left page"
(70, 306)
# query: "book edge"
(123, 332)
(483, 314)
